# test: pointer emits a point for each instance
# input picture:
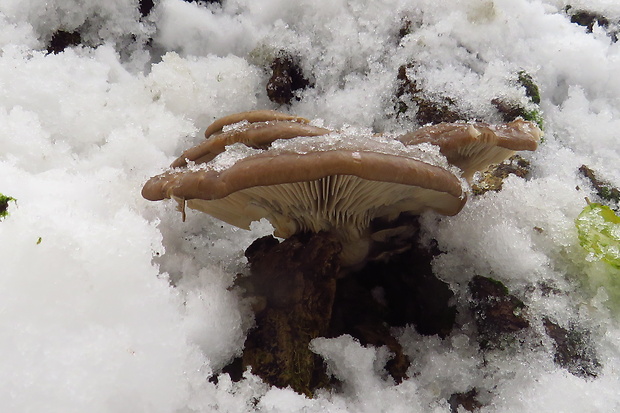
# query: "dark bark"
(295, 282)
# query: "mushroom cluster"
(306, 178)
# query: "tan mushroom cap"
(474, 146)
(338, 191)
(251, 117)
(256, 135)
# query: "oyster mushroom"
(303, 178)
(339, 191)
(474, 146)
(256, 129)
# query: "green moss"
(4, 205)
(528, 107)
(533, 94)
(494, 287)
(531, 89)
(534, 116)
(609, 193)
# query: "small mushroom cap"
(474, 146)
(256, 135)
(338, 191)
(251, 117)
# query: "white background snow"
(89, 319)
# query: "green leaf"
(598, 228)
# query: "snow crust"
(109, 303)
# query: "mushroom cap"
(339, 191)
(252, 116)
(255, 135)
(474, 146)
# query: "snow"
(352, 139)
(109, 303)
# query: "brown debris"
(287, 79)
(589, 19)
(493, 178)
(604, 189)
(357, 313)
(428, 111)
(573, 350)
(527, 108)
(498, 314)
(405, 29)
(62, 39)
(145, 7)
(509, 111)
(396, 290)
(467, 401)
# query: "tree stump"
(294, 284)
